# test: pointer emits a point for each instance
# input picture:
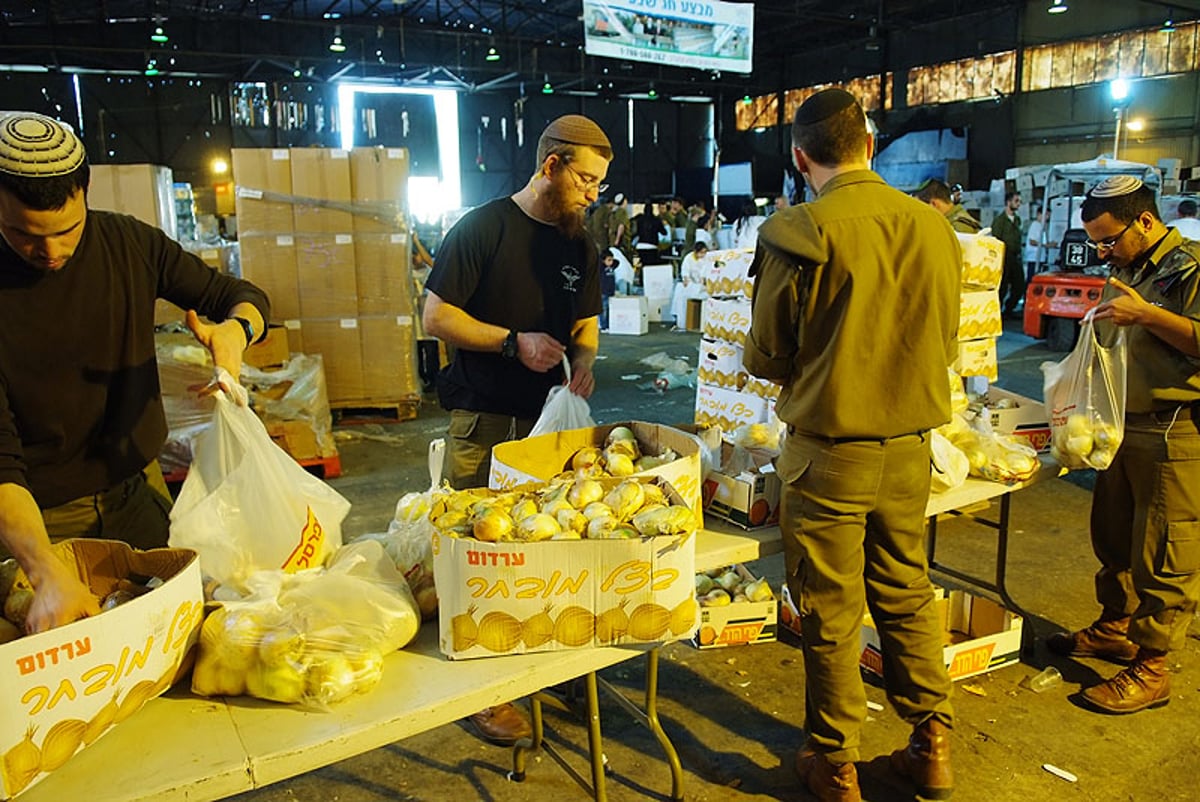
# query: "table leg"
(527, 746)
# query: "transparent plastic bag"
(991, 456)
(246, 505)
(563, 410)
(1085, 398)
(312, 638)
(949, 466)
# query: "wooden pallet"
(324, 467)
(350, 413)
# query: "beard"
(567, 219)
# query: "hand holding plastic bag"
(563, 409)
(1085, 398)
(246, 505)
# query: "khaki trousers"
(853, 523)
(136, 511)
(1145, 527)
(472, 435)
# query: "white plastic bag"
(246, 505)
(949, 466)
(563, 410)
(1085, 397)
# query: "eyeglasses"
(1111, 242)
(584, 182)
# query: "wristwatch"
(248, 328)
(508, 349)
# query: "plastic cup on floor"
(1046, 679)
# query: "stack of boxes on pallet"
(323, 232)
(726, 394)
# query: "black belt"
(1164, 417)
(839, 440)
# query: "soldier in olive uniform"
(855, 314)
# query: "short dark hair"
(53, 192)
(839, 138)
(700, 245)
(1187, 208)
(1012, 193)
(1125, 208)
(932, 189)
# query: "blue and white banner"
(703, 34)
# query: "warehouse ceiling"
(442, 42)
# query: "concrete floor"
(736, 715)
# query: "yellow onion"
(499, 631)
(649, 621)
(572, 521)
(575, 626)
(523, 509)
(626, 498)
(464, 631)
(683, 617)
(492, 525)
(538, 628)
(282, 683)
(585, 457)
(651, 520)
(613, 623)
(600, 528)
(537, 527)
(583, 492)
(329, 678)
(597, 509)
(618, 464)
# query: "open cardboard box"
(737, 623)
(64, 688)
(748, 498)
(643, 587)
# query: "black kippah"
(824, 104)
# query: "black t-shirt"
(502, 267)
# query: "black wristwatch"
(508, 349)
(248, 328)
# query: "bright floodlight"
(1119, 89)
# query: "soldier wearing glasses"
(514, 288)
(1145, 520)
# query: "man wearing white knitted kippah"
(81, 415)
(1145, 509)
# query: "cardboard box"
(321, 174)
(658, 281)
(720, 363)
(259, 170)
(269, 352)
(695, 312)
(981, 636)
(977, 358)
(979, 315)
(727, 273)
(789, 614)
(326, 275)
(729, 409)
(296, 437)
(749, 497)
(628, 314)
(379, 188)
(738, 623)
(726, 319)
(339, 343)
(1020, 416)
(99, 671)
(645, 583)
(269, 261)
(658, 310)
(536, 459)
(982, 261)
(389, 358)
(383, 273)
(144, 191)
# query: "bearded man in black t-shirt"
(515, 289)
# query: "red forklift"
(1058, 296)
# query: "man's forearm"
(22, 531)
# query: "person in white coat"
(691, 283)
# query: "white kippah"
(35, 146)
(1115, 186)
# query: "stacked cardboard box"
(979, 321)
(726, 395)
(323, 233)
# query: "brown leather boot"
(1104, 639)
(926, 760)
(1145, 684)
(829, 782)
(503, 725)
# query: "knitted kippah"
(577, 130)
(618, 198)
(35, 146)
(1115, 186)
(824, 104)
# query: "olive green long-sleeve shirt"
(855, 311)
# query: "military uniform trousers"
(853, 524)
(1145, 526)
(472, 435)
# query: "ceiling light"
(337, 45)
(1057, 7)
(1136, 124)
(652, 94)
(159, 35)
(1168, 26)
(296, 73)
(1119, 89)
(547, 88)
(151, 67)
(492, 55)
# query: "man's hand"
(539, 351)
(225, 341)
(1124, 309)
(582, 381)
(59, 598)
